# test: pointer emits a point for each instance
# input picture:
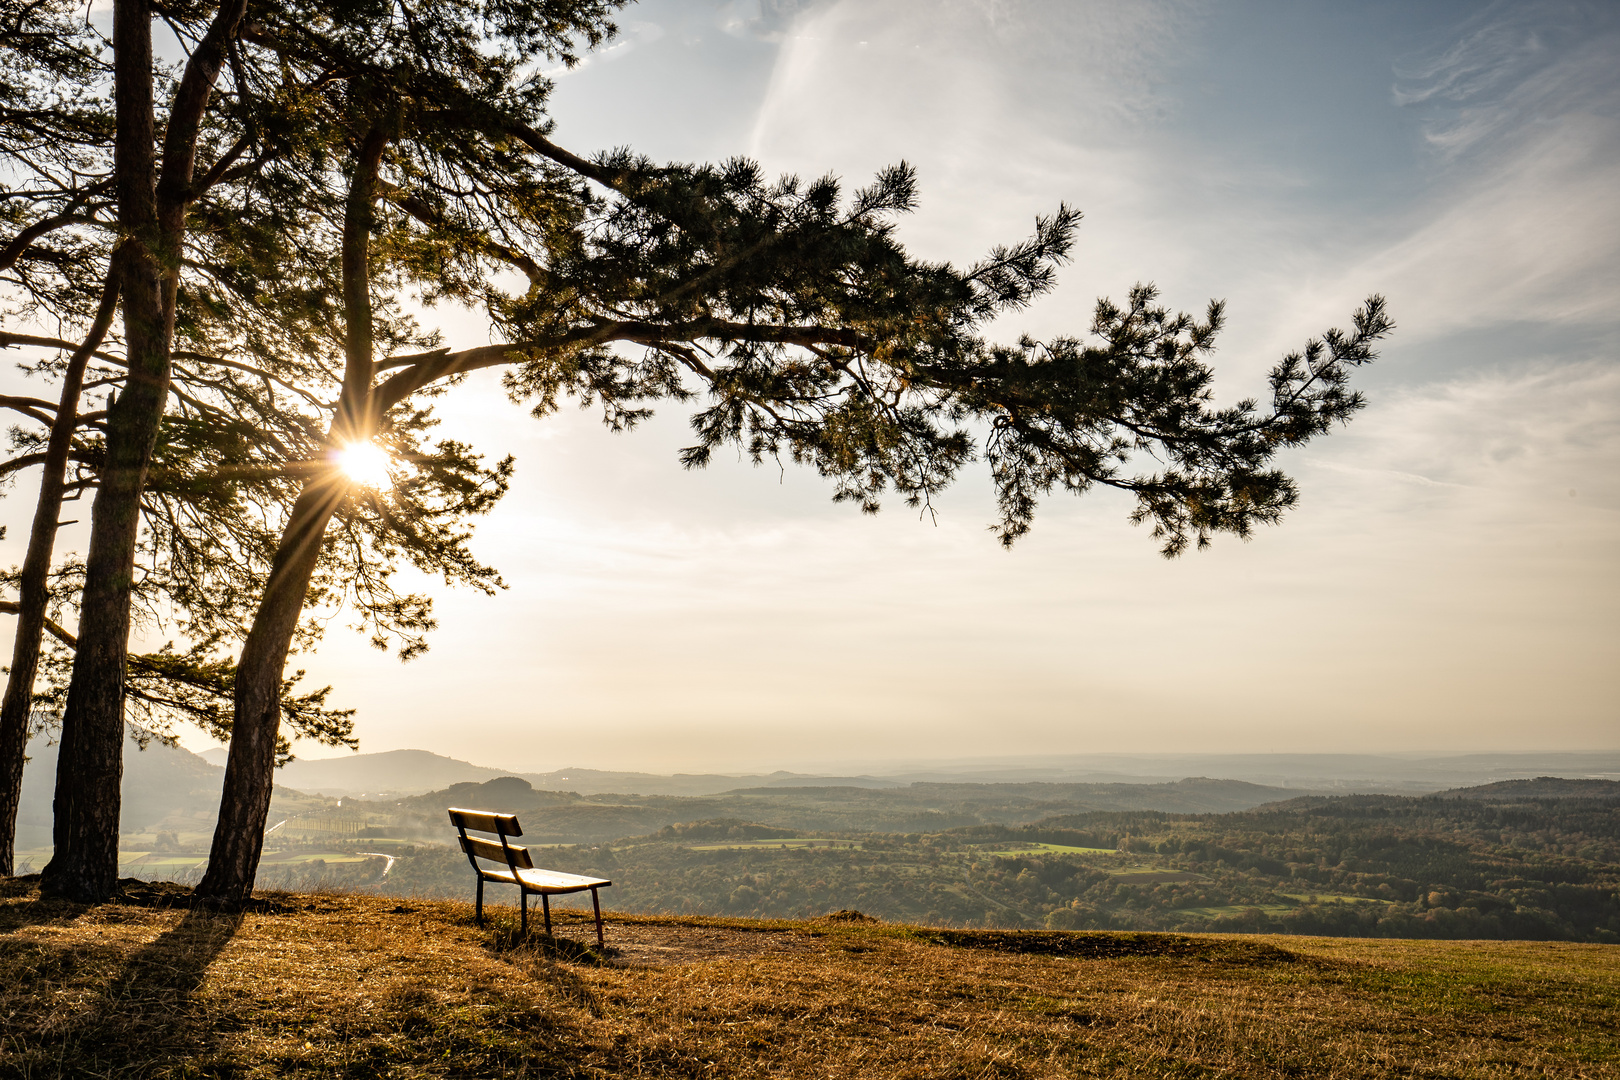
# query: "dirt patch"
(642, 942)
(641, 945)
(1109, 945)
(153, 894)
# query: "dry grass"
(332, 985)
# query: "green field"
(1056, 849)
(794, 843)
(1324, 898)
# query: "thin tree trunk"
(151, 212)
(34, 585)
(233, 861)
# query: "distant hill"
(550, 816)
(392, 772)
(396, 773)
(159, 782)
(1405, 774)
(1193, 795)
(165, 788)
(599, 781)
(1542, 787)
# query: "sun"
(364, 463)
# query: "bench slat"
(484, 821)
(486, 849)
(552, 881)
(546, 881)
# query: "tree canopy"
(362, 155)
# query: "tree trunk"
(34, 585)
(151, 216)
(90, 764)
(233, 860)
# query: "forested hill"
(1315, 828)
(1453, 866)
(1542, 787)
(1438, 866)
(569, 817)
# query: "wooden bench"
(519, 868)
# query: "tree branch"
(58, 631)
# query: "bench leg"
(597, 904)
(523, 903)
(480, 901)
(545, 905)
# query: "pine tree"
(242, 429)
(365, 150)
(813, 333)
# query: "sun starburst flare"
(364, 463)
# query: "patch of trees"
(724, 829)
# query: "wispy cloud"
(1520, 221)
(936, 71)
(768, 20)
(1518, 440)
(1513, 66)
(1528, 236)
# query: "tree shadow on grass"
(30, 908)
(145, 1020)
(33, 908)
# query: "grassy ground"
(355, 986)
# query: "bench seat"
(547, 881)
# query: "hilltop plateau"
(341, 985)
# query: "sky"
(1448, 583)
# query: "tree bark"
(90, 763)
(233, 860)
(34, 585)
(151, 214)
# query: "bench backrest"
(514, 856)
(486, 821)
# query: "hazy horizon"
(1157, 764)
(1448, 583)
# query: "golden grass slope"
(354, 986)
